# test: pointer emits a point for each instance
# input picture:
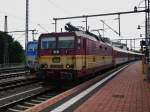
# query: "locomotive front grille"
(56, 66)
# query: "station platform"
(128, 91)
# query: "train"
(76, 54)
(31, 55)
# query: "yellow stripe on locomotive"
(75, 62)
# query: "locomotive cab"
(59, 55)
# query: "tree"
(16, 53)
(15, 50)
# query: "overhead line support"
(97, 15)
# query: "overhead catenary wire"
(59, 7)
(110, 27)
(43, 28)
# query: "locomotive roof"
(76, 33)
(85, 35)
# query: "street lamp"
(139, 27)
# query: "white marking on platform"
(73, 100)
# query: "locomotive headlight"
(46, 66)
(67, 66)
(57, 51)
(54, 51)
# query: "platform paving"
(129, 91)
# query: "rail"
(11, 65)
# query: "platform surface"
(127, 92)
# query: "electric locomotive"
(75, 54)
(71, 55)
(31, 55)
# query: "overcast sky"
(43, 11)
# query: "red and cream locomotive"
(75, 54)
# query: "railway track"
(26, 99)
(8, 85)
(11, 69)
(15, 79)
(12, 74)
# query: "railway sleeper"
(13, 110)
(42, 98)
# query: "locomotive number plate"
(56, 60)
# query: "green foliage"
(15, 50)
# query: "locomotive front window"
(32, 47)
(47, 43)
(66, 42)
